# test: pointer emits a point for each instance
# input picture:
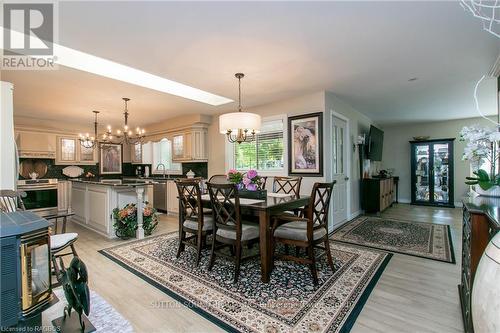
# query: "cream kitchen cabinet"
(189, 146)
(36, 144)
(141, 153)
(70, 151)
(64, 196)
(172, 198)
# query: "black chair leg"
(237, 265)
(212, 255)
(310, 252)
(181, 243)
(329, 254)
(199, 245)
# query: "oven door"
(40, 197)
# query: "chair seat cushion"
(248, 231)
(297, 231)
(60, 241)
(208, 223)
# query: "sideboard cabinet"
(377, 194)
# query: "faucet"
(164, 169)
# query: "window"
(162, 154)
(266, 152)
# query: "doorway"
(340, 170)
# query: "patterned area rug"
(290, 302)
(426, 240)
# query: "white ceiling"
(365, 52)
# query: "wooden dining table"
(264, 209)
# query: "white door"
(340, 171)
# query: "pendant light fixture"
(126, 135)
(88, 141)
(239, 126)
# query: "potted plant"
(249, 185)
(125, 223)
(482, 145)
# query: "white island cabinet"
(93, 203)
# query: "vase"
(492, 192)
(486, 290)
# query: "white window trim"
(155, 171)
(229, 150)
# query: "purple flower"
(252, 174)
(240, 186)
(246, 181)
(252, 187)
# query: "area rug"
(289, 303)
(102, 315)
(426, 240)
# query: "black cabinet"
(378, 194)
(432, 172)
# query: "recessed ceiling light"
(82, 61)
(412, 79)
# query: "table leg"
(140, 195)
(265, 246)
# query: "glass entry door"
(432, 172)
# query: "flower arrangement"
(482, 145)
(250, 181)
(126, 220)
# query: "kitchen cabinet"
(190, 145)
(172, 200)
(36, 144)
(70, 151)
(141, 153)
(64, 196)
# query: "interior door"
(421, 172)
(339, 172)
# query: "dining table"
(264, 209)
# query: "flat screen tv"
(375, 144)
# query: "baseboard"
(407, 201)
(355, 214)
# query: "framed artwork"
(110, 161)
(305, 145)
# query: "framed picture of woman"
(110, 161)
(305, 145)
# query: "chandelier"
(239, 126)
(488, 12)
(88, 141)
(125, 135)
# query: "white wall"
(396, 152)
(8, 160)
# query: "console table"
(378, 194)
(481, 221)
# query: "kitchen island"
(93, 202)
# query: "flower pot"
(259, 194)
(492, 192)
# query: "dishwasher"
(160, 196)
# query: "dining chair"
(229, 228)
(262, 184)
(219, 179)
(307, 232)
(11, 201)
(191, 221)
(287, 185)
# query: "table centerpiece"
(249, 184)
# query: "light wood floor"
(412, 295)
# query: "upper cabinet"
(190, 146)
(141, 153)
(70, 151)
(36, 144)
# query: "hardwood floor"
(412, 295)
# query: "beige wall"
(396, 151)
(314, 102)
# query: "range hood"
(36, 145)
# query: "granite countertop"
(488, 206)
(115, 182)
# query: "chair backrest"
(225, 206)
(287, 185)
(219, 179)
(317, 209)
(190, 200)
(11, 201)
(262, 184)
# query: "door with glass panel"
(432, 172)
